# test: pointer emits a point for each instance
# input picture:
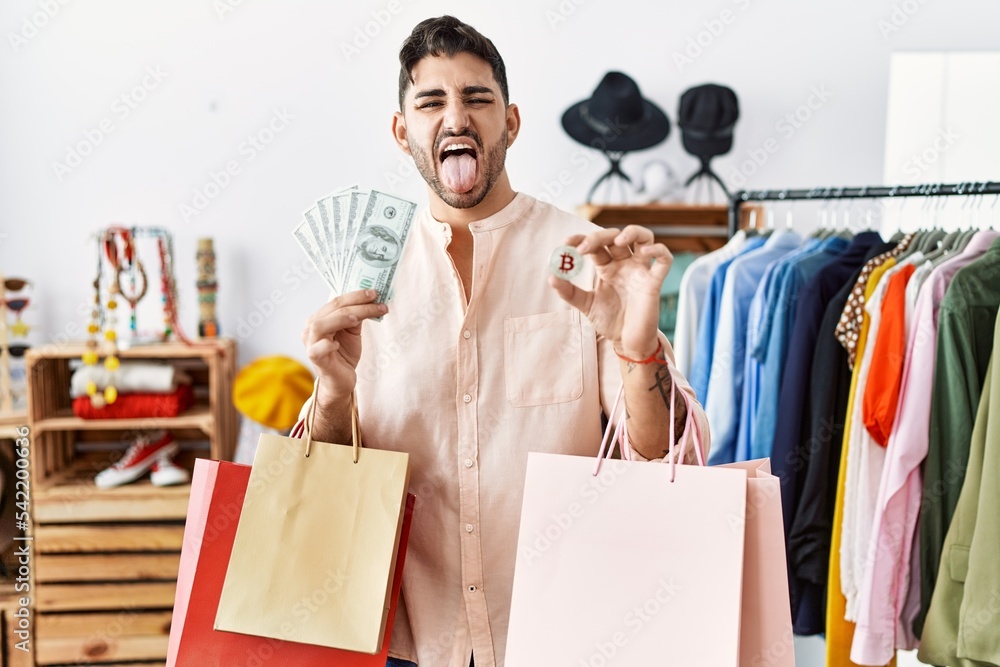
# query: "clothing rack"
(865, 192)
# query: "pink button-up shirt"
(468, 390)
(890, 594)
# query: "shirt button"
(468, 463)
(467, 334)
(468, 527)
(467, 398)
(472, 589)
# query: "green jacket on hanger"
(960, 628)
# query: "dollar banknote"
(355, 239)
(379, 239)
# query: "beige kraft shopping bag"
(316, 545)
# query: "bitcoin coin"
(566, 262)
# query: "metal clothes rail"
(864, 192)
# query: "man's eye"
(428, 105)
(479, 100)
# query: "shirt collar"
(983, 241)
(517, 208)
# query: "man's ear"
(399, 132)
(513, 123)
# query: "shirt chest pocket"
(543, 358)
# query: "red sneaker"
(166, 473)
(138, 459)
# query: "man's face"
(456, 127)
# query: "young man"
(483, 356)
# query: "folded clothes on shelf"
(137, 405)
(130, 377)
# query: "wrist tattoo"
(663, 382)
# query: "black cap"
(706, 116)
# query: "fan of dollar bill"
(355, 239)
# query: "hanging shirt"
(850, 322)
(693, 296)
(882, 393)
(761, 314)
(751, 367)
(772, 347)
(725, 387)
(787, 456)
(864, 462)
(961, 622)
(840, 631)
(701, 365)
(964, 344)
(924, 269)
(823, 426)
(891, 595)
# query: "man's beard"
(491, 161)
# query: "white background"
(227, 69)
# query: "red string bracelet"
(651, 359)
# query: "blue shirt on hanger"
(761, 312)
(701, 366)
(725, 386)
(772, 347)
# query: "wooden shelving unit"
(105, 560)
(681, 227)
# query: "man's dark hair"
(447, 36)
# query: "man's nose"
(456, 118)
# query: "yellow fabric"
(271, 390)
(840, 632)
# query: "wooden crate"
(105, 560)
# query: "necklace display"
(107, 247)
(116, 245)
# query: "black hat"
(616, 118)
(706, 117)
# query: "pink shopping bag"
(630, 563)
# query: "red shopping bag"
(217, 492)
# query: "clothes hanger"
(844, 230)
(993, 212)
(920, 216)
(935, 234)
(886, 204)
(820, 217)
(968, 225)
(787, 229)
(768, 216)
(981, 223)
(952, 240)
(931, 211)
(944, 239)
(751, 231)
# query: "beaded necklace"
(106, 247)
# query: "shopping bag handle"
(621, 433)
(355, 427)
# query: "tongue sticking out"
(459, 172)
